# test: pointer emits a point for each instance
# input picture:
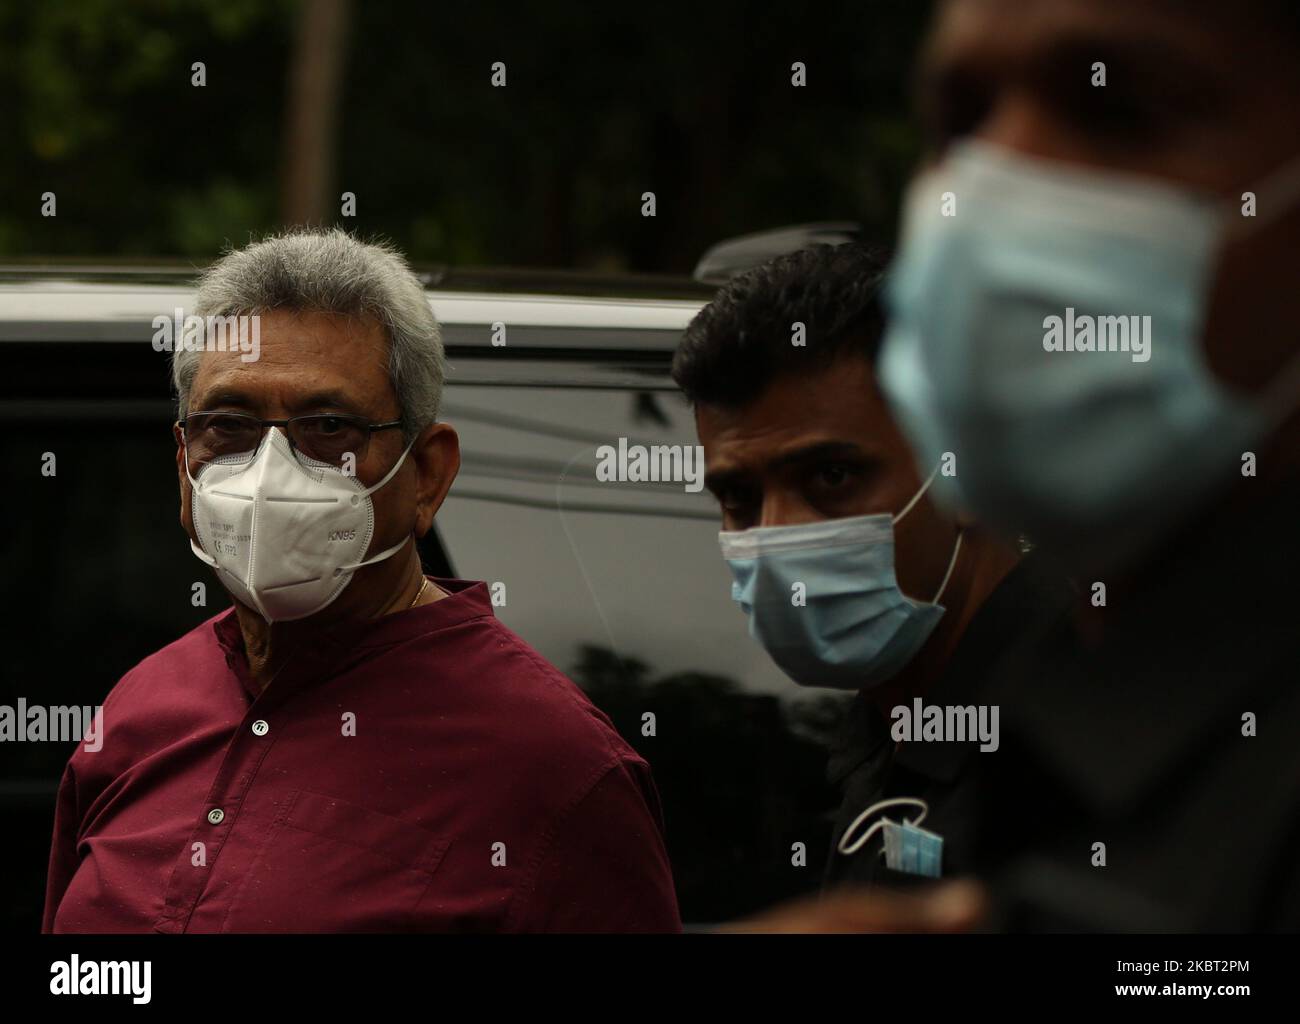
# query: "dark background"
(692, 101)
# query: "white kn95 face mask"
(284, 535)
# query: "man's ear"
(436, 456)
(183, 479)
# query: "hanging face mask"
(284, 536)
(823, 601)
(907, 847)
(1048, 333)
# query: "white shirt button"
(260, 728)
(216, 816)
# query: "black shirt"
(866, 765)
(1140, 743)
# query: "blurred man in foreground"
(850, 577)
(1094, 311)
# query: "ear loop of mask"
(916, 497)
(956, 548)
(848, 849)
(356, 499)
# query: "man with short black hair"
(850, 577)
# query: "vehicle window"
(621, 585)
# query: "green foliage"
(100, 111)
(603, 102)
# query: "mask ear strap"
(203, 555)
(392, 472)
(952, 564)
(387, 553)
(844, 846)
(917, 496)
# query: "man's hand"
(947, 907)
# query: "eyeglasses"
(234, 437)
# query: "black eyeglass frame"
(357, 421)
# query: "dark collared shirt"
(1174, 743)
(426, 771)
(867, 765)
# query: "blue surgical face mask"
(1010, 268)
(823, 601)
(907, 847)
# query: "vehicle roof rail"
(735, 256)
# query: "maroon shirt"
(426, 771)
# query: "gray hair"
(326, 270)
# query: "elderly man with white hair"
(353, 746)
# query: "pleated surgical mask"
(1047, 331)
(907, 847)
(823, 600)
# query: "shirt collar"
(345, 644)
